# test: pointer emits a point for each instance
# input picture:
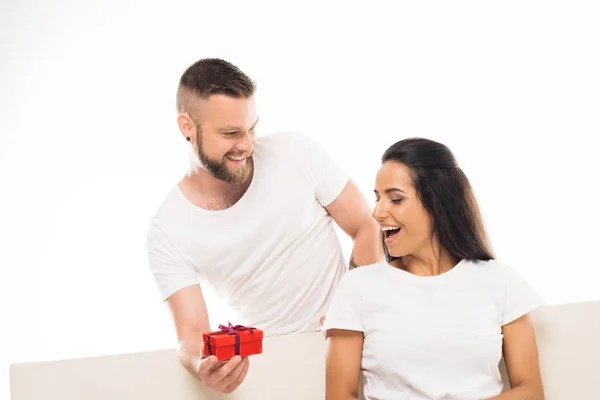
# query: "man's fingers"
(205, 366)
(245, 365)
(222, 374)
(229, 381)
(219, 364)
(322, 320)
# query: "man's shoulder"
(281, 139)
(169, 207)
(293, 147)
(170, 221)
(283, 148)
(282, 136)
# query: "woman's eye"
(396, 201)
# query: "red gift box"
(232, 340)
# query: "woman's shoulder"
(493, 269)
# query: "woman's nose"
(378, 212)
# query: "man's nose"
(246, 144)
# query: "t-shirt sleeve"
(328, 177)
(345, 310)
(520, 298)
(170, 271)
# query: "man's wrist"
(189, 359)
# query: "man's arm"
(191, 321)
(190, 316)
(352, 213)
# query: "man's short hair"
(212, 76)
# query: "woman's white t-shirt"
(435, 337)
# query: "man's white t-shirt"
(274, 256)
(436, 337)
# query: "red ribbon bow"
(232, 330)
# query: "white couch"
(292, 367)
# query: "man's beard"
(219, 169)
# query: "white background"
(89, 145)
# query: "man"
(254, 219)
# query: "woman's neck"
(427, 263)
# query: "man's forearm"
(367, 246)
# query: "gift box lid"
(226, 336)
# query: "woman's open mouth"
(390, 232)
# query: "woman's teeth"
(389, 230)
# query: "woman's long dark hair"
(446, 195)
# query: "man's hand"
(222, 376)
(191, 321)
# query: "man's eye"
(230, 133)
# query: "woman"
(433, 320)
